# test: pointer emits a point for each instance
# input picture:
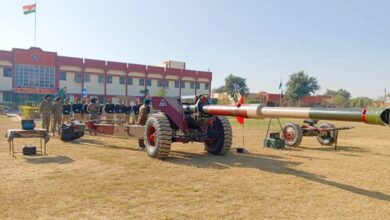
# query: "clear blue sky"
(344, 44)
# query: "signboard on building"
(34, 91)
(84, 92)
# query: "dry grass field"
(109, 178)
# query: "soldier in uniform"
(136, 107)
(77, 109)
(85, 110)
(45, 110)
(119, 111)
(66, 109)
(128, 110)
(57, 114)
(93, 109)
(109, 109)
(143, 112)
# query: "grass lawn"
(105, 177)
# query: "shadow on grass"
(97, 143)
(339, 149)
(45, 160)
(264, 163)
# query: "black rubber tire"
(163, 136)
(296, 131)
(222, 144)
(330, 137)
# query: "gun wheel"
(327, 137)
(222, 142)
(158, 136)
(292, 134)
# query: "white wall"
(134, 90)
(71, 85)
(202, 90)
(5, 82)
(172, 91)
(1, 97)
(153, 90)
(187, 90)
(115, 88)
(93, 87)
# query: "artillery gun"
(194, 119)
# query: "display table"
(42, 134)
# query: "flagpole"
(35, 26)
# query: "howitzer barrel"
(370, 115)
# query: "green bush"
(252, 101)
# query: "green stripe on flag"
(29, 12)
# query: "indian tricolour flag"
(27, 9)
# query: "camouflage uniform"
(57, 115)
(143, 114)
(45, 109)
(93, 110)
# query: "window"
(148, 82)
(122, 80)
(183, 84)
(7, 97)
(7, 72)
(34, 76)
(77, 77)
(63, 76)
(161, 83)
(206, 86)
(87, 77)
(176, 84)
(129, 81)
(101, 79)
(141, 82)
(109, 80)
(198, 85)
(192, 85)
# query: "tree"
(220, 89)
(300, 85)
(360, 102)
(339, 101)
(161, 92)
(342, 92)
(235, 86)
(340, 97)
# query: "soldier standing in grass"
(77, 109)
(136, 107)
(85, 110)
(66, 109)
(144, 110)
(109, 109)
(119, 111)
(128, 110)
(93, 109)
(57, 114)
(45, 110)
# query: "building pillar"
(82, 82)
(126, 84)
(196, 84)
(179, 86)
(105, 86)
